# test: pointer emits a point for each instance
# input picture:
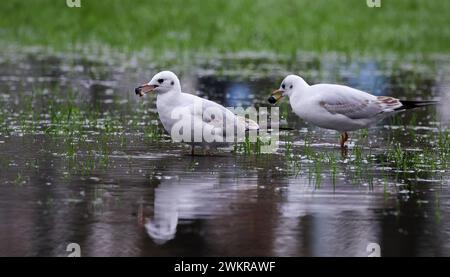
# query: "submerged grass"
(229, 26)
(406, 161)
(82, 132)
(86, 133)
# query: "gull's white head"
(288, 86)
(162, 82)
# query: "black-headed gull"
(191, 119)
(338, 107)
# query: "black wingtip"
(411, 104)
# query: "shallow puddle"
(83, 160)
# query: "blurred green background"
(420, 26)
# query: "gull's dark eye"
(283, 86)
(172, 83)
(160, 81)
(291, 86)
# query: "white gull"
(339, 107)
(198, 121)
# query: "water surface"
(83, 160)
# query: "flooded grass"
(83, 154)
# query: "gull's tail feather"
(411, 104)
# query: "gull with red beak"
(338, 107)
(196, 115)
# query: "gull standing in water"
(338, 107)
(204, 122)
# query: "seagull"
(338, 107)
(200, 122)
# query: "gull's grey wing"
(355, 104)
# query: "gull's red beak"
(146, 88)
(276, 96)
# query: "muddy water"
(126, 190)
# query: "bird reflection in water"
(163, 226)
